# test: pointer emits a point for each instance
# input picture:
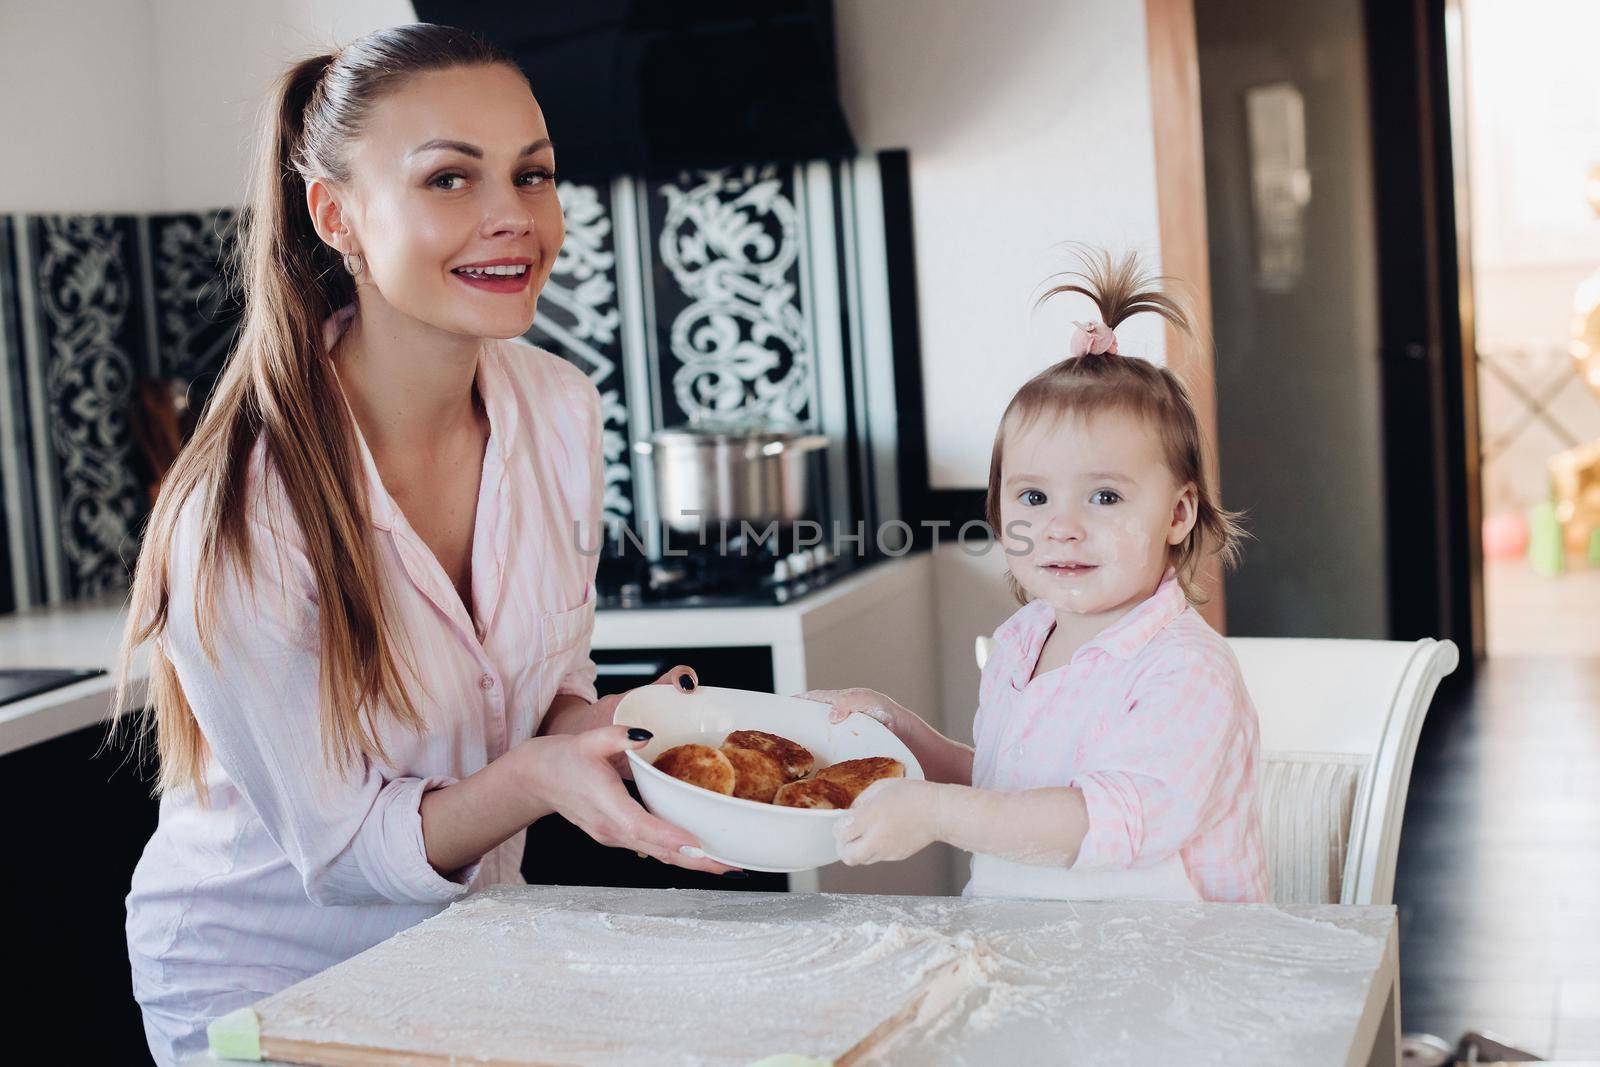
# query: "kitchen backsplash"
(753, 290)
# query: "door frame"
(1426, 333)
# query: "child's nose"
(1064, 526)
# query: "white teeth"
(506, 271)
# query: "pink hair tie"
(1093, 338)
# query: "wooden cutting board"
(499, 980)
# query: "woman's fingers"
(669, 844)
(681, 677)
(607, 741)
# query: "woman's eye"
(535, 178)
(1031, 498)
(1104, 496)
(449, 182)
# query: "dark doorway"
(1344, 406)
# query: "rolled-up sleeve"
(1166, 772)
(354, 836)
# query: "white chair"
(1339, 725)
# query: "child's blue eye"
(1104, 496)
(1031, 498)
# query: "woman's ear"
(1185, 513)
(328, 217)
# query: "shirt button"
(486, 683)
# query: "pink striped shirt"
(293, 867)
(1151, 720)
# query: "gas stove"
(707, 578)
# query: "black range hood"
(652, 87)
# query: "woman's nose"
(508, 216)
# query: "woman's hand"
(890, 820)
(869, 702)
(575, 775)
(572, 715)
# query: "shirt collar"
(498, 403)
(1126, 637)
(1123, 639)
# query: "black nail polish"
(735, 874)
(686, 682)
(639, 733)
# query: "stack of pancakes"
(769, 769)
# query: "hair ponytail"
(279, 387)
(1120, 289)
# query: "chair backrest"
(1325, 704)
(1339, 725)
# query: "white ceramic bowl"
(743, 833)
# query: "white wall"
(149, 105)
(1028, 124)
(82, 107)
(216, 61)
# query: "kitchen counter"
(1125, 982)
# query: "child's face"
(1089, 511)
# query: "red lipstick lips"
(509, 275)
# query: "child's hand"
(890, 820)
(868, 702)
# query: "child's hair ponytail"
(1120, 289)
(1096, 378)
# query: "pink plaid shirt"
(1151, 720)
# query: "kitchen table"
(1060, 981)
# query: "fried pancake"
(756, 775)
(699, 765)
(796, 760)
(813, 793)
(854, 775)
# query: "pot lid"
(729, 428)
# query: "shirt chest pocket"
(562, 631)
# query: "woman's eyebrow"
(447, 145)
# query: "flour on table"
(490, 979)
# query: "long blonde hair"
(279, 386)
(1109, 382)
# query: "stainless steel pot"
(712, 473)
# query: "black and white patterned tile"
(82, 333)
(579, 319)
(732, 335)
(196, 300)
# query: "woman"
(364, 578)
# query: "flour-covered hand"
(842, 703)
(891, 819)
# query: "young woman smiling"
(363, 580)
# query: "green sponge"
(235, 1036)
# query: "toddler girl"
(1116, 746)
